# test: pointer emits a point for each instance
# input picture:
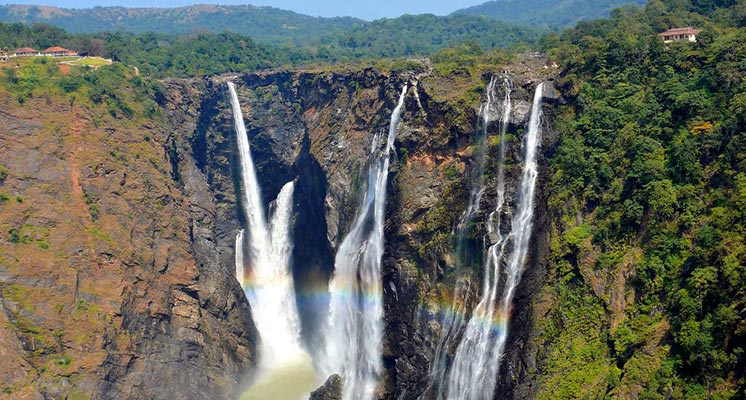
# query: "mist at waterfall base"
(354, 330)
(285, 369)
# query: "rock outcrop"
(330, 390)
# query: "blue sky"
(366, 9)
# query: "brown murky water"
(287, 382)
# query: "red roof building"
(676, 34)
(57, 51)
(25, 52)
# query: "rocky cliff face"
(316, 129)
(133, 295)
(111, 283)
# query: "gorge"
(479, 224)
(340, 329)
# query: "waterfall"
(476, 364)
(453, 320)
(269, 287)
(240, 273)
(270, 290)
(477, 175)
(355, 327)
(522, 225)
(259, 240)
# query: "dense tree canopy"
(547, 12)
(652, 154)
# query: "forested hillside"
(419, 35)
(647, 277)
(209, 53)
(554, 13)
(324, 39)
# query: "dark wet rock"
(550, 92)
(330, 390)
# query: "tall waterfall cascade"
(476, 365)
(477, 175)
(355, 326)
(269, 286)
(453, 321)
(473, 372)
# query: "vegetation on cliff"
(61, 221)
(102, 286)
(104, 88)
(646, 198)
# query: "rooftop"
(680, 31)
(56, 49)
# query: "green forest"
(209, 53)
(650, 170)
(265, 24)
(269, 25)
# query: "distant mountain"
(265, 24)
(424, 34)
(554, 13)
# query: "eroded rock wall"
(316, 129)
(130, 290)
(112, 285)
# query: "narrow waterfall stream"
(240, 268)
(477, 361)
(453, 321)
(473, 371)
(522, 224)
(355, 326)
(268, 281)
(465, 226)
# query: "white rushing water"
(240, 270)
(269, 287)
(453, 320)
(477, 361)
(477, 186)
(355, 327)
